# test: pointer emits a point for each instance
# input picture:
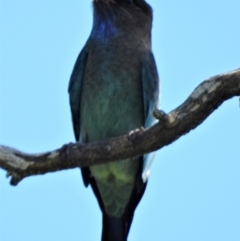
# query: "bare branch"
(206, 98)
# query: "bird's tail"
(113, 229)
(117, 228)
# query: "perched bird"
(114, 89)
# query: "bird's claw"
(134, 133)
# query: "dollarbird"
(113, 89)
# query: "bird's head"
(129, 18)
(138, 3)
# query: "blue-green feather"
(113, 90)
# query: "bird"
(113, 89)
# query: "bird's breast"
(112, 99)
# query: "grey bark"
(206, 98)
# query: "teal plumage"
(113, 90)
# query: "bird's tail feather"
(113, 229)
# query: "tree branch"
(206, 98)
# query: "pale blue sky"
(194, 189)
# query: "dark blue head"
(113, 17)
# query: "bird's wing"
(74, 90)
(150, 83)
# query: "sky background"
(194, 189)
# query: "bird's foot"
(134, 133)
